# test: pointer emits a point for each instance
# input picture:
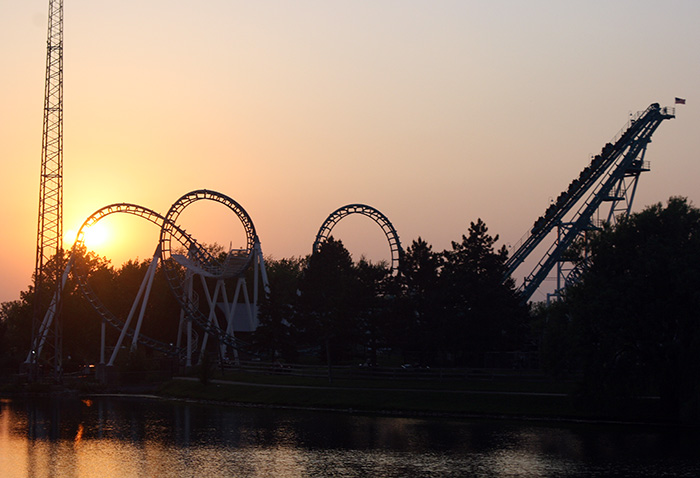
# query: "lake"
(116, 437)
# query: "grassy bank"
(493, 397)
(373, 399)
(498, 395)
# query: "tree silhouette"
(373, 301)
(326, 306)
(635, 312)
(276, 334)
(482, 313)
(420, 276)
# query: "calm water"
(119, 437)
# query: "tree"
(326, 302)
(636, 312)
(372, 301)
(276, 336)
(15, 332)
(482, 312)
(552, 332)
(420, 275)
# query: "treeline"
(448, 308)
(81, 324)
(629, 328)
(445, 308)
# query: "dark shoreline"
(371, 401)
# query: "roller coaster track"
(380, 219)
(574, 210)
(81, 274)
(174, 264)
(179, 253)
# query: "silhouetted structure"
(394, 243)
(611, 177)
(49, 249)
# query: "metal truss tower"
(611, 179)
(49, 249)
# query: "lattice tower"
(49, 249)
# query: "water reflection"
(110, 437)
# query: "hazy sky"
(434, 112)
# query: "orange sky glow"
(435, 113)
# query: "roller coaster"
(610, 179)
(380, 219)
(183, 260)
(605, 188)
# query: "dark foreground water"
(121, 437)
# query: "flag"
(680, 101)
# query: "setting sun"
(95, 236)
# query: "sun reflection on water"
(125, 439)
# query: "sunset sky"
(436, 113)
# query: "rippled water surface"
(121, 437)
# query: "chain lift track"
(605, 180)
(394, 243)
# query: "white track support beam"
(211, 300)
(150, 274)
(231, 307)
(40, 338)
(103, 334)
(142, 288)
(259, 267)
(230, 311)
(222, 347)
(188, 324)
(249, 308)
(179, 328)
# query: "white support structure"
(197, 261)
(141, 298)
(218, 299)
(40, 338)
(211, 300)
(187, 321)
(259, 267)
(103, 335)
(150, 274)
